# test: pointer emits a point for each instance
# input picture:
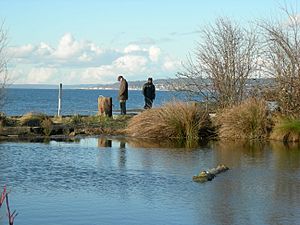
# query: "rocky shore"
(13, 128)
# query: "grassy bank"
(175, 121)
(33, 125)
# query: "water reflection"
(149, 182)
(122, 144)
(155, 143)
(104, 142)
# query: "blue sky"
(92, 41)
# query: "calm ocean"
(74, 101)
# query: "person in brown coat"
(123, 94)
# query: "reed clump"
(7, 121)
(179, 120)
(47, 126)
(75, 120)
(286, 128)
(249, 120)
(33, 119)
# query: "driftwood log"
(208, 175)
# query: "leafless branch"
(225, 58)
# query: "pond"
(111, 180)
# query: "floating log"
(208, 175)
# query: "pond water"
(110, 180)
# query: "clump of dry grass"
(33, 119)
(6, 121)
(249, 120)
(75, 120)
(286, 128)
(173, 120)
(47, 126)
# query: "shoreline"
(66, 127)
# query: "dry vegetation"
(32, 119)
(225, 59)
(174, 120)
(248, 120)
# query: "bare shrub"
(249, 120)
(173, 120)
(225, 58)
(3, 64)
(282, 60)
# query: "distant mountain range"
(161, 84)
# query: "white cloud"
(41, 75)
(154, 53)
(131, 63)
(132, 48)
(171, 64)
(79, 61)
(67, 47)
(22, 51)
(102, 74)
(85, 57)
(44, 49)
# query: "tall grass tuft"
(173, 120)
(32, 119)
(47, 126)
(75, 120)
(286, 129)
(249, 120)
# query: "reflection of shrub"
(286, 129)
(165, 143)
(47, 126)
(32, 119)
(173, 120)
(245, 121)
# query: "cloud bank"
(80, 61)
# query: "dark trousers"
(148, 103)
(123, 107)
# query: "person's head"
(120, 78)
(150, 80)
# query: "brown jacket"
(123, 91)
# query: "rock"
(208, 175)
(5, 131)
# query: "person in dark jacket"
(149, 93)
(123, 94)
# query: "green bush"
(286, 128)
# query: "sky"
(94, 41)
